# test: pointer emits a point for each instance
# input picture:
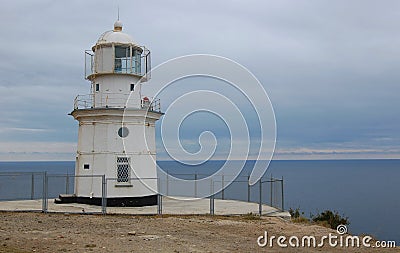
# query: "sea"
(365, 191)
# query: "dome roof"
(116, 36)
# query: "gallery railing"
(113, 100)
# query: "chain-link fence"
(22, 191)
(32, 191)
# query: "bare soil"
(37, 232)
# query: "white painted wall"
(99, 145)
(115, 91)
(104, 60)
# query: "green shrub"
(251, 216)
(330, 219)
(298, 216)
(301, 219)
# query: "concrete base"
(173, 206)
(111, 202)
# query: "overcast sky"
(331, 68)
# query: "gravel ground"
(37, 232)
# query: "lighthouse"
(116, 135)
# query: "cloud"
(31, 147)
(345, 153)
(38, 151)
(16, 129)
(330, 67)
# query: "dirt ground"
(37, 232)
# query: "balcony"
(114, 100)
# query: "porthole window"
(123, 132)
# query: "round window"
(123, 132)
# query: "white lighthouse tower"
(111, 128)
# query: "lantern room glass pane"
(136, 62)
(127, 63)
(122, 60)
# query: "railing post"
(85, 66)
(212, 197)
(44, 195)
(223, 188)
(103, 195)
(260, 201)
(33, 186)
(282, 199)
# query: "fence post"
(44, 195)
(33, 186)
(271, 189)
(167, 184)
(248, 188)
(212, 198)
(260, 203)
(159, 198)
(67, 184)
(223, 188)
(103, 195)
(195, 185)
(282, 199)
(159, 204)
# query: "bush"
(251, 216)
(295, 213)
(298, 216)
(330, 219)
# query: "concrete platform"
(169, 206)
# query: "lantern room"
(117, 53)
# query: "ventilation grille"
(123, 169)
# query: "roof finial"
(118, 24)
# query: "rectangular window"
(136, 58)
(123, 169)
(132, 86)
(97, 87)
(122, 59)
(86, 166)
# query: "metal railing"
(136, 64)
(83, 102)
(271, 192)
(113, 100)
(152, 104)
(31, 191)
